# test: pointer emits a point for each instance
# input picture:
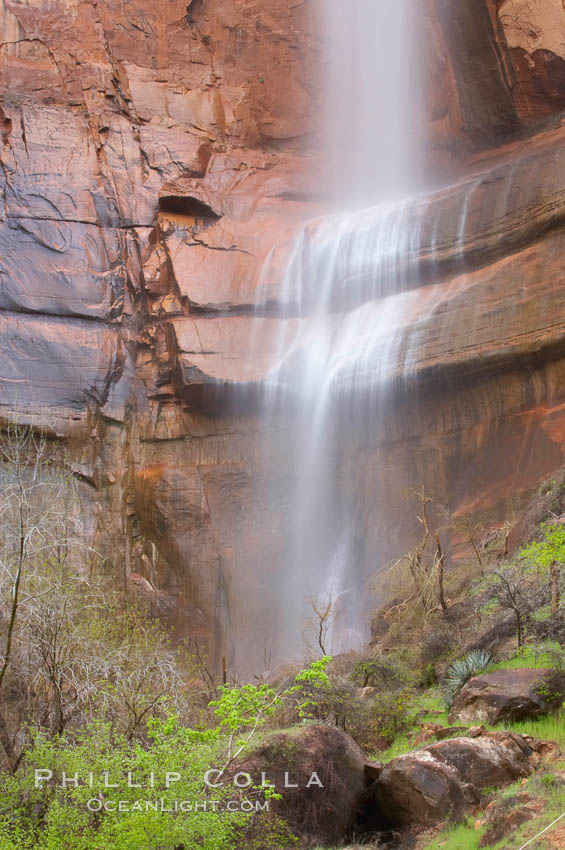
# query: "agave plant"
(462, 670)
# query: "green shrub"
(548, 654)
(380, 671)
(102, 808)
(428, 676)
(52, 817)
(389, 715)
(540, 555)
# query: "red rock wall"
(151, 155)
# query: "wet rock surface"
(150, 158)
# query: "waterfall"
(345, 305)
(371, 127)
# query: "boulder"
(508, 694)
(296, 762)
(445, 779)
(450, 732)
(373, 770)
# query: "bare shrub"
(72, 647)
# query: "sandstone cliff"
(152, 154)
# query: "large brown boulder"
(327, 771)
(508, 694)
(445, 780)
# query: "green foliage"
(390, 714)
(542, 614)
(463, 836)
(52, 817)
(467, 835)
(490, 607)
(269, 831)
(428, 707)
(520, 585)
(72, 648)
(242, 710)
(548, 727)
(150, 811)
(549, 654)
(540, 555)
(310, 683)
(462, 670)
(428, 676)
(239, 709)
(315, 673)
(373, 722)
(334, 698)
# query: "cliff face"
(105, 110)
(151, 156)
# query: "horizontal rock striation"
(151, 157)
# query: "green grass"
(527, 656)
(549, 727)
(431, 702)
(464, 836)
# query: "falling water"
(371, 125)
(343, 301)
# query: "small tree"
(58, 658)
(547, 556)
(470, 530)
(242, 711)
(510, 591)
(145, 675)
(317, 634)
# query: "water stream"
(344, 302)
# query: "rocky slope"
(152, 154)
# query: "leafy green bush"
(107, 790)
(462, 670)
(53, 817)
(389, 714)
(550, 654)
(552, 548)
